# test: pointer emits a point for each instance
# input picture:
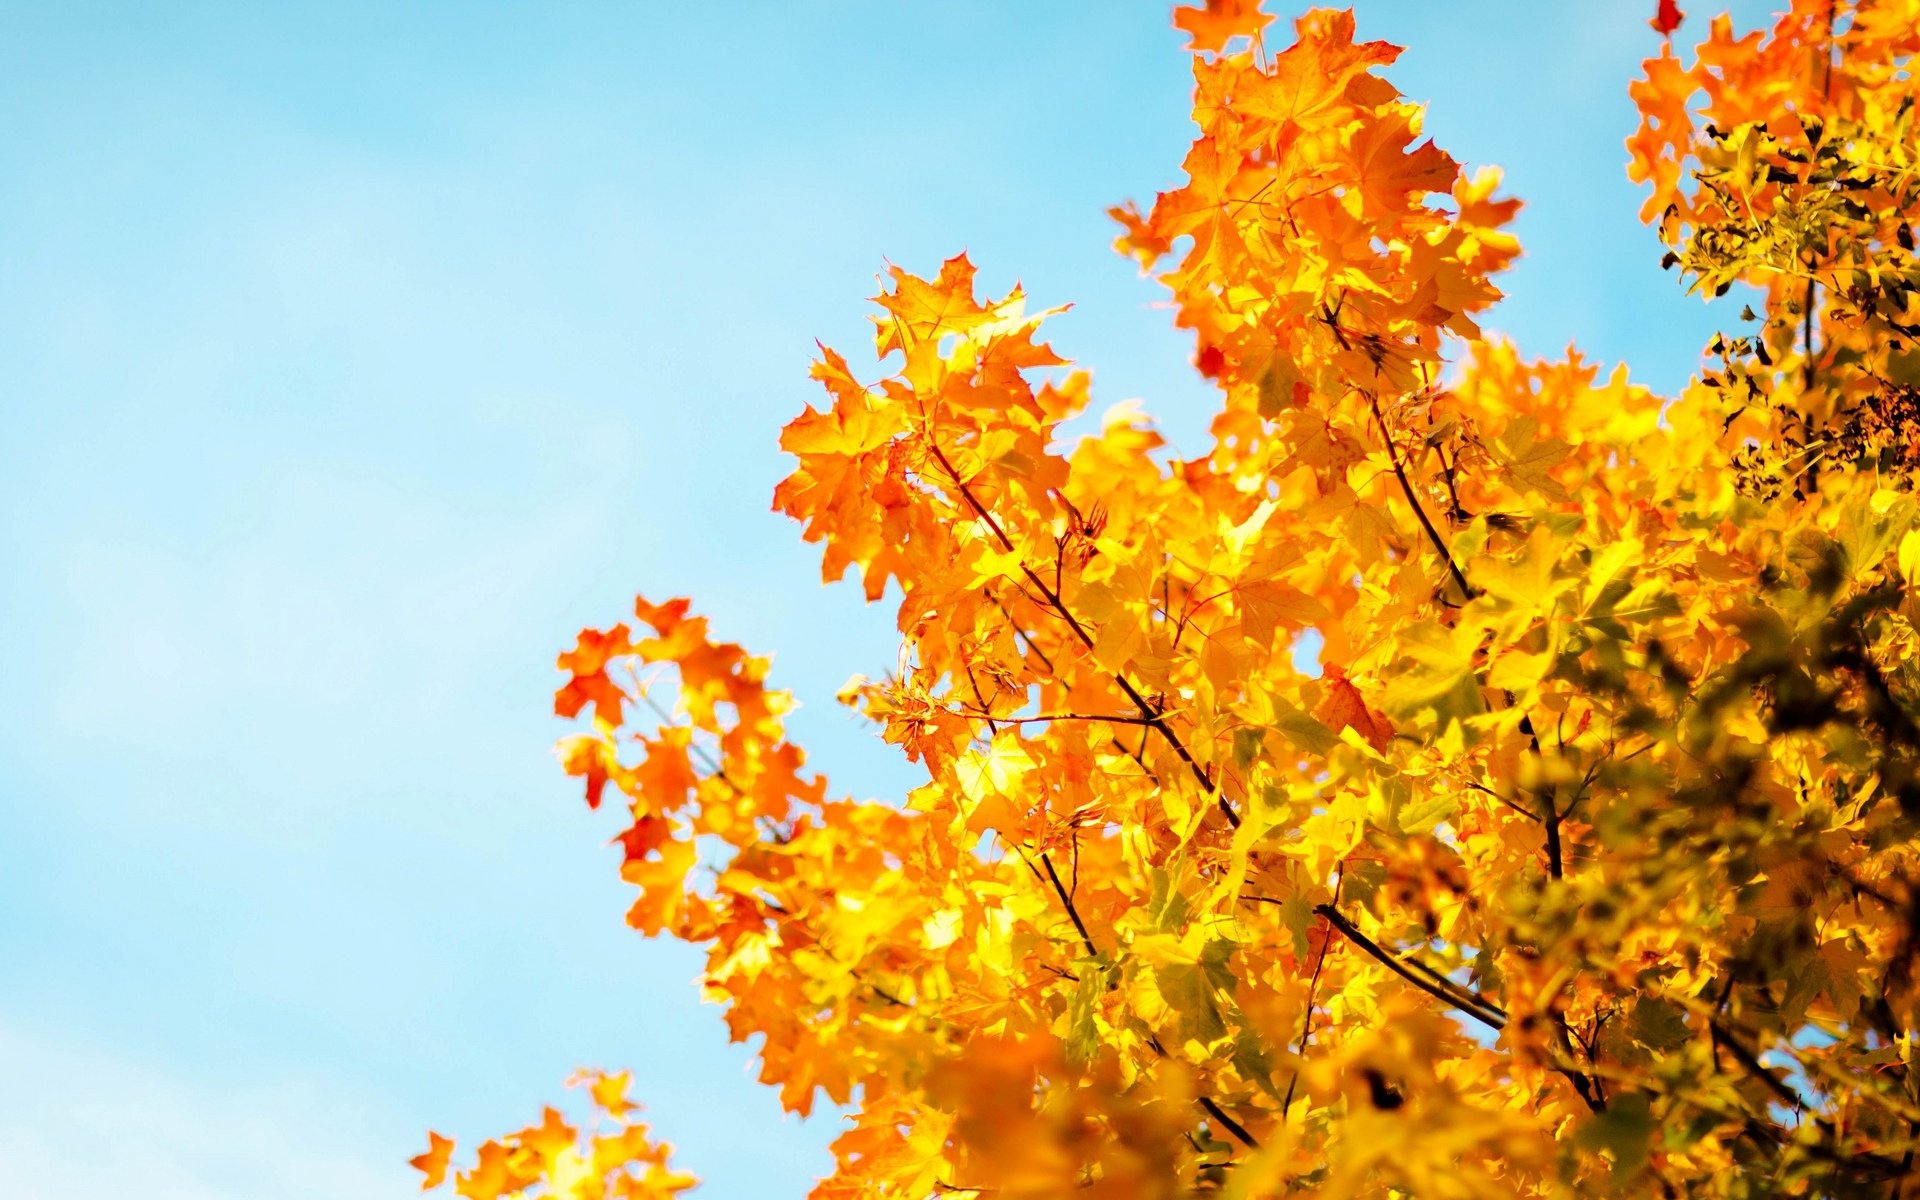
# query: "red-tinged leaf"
(646, 835)
(589, 757)
(587, 662)
(1345, 708)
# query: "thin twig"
(1306, 1023)
(1400, 472)
(1111, 718)
(1528, 813)
(1046, 860)
(1154, 720)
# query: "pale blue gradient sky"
(353, 356)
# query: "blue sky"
(356, 355)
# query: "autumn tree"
(1582, 864)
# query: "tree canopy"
(1581, 862)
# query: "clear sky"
(354, 355)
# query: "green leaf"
(1083, 1013)
(1301, 728)
(1247, 744)
(1867, 536)
(1438, 675)
(1297, 915)
(1625, 1131)
(1363, 880)
(1530, 457)
(1168, 906)
(1608, 573)
(1276, 385)
(1806, 979)
(1251, 1060)
(1658, 1025)
(1424, 808)
(1642, 602)
(1189, 996)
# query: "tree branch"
(1232, 1126)
(1153, 720)
(1467, 590)
(1528, 813)
(1111, 718)
(1446, 996)
(1751, 1064)
(1468, 1004)
(1551, 821)
(1046, 860)
(1306, 1023)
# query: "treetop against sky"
(358, 355)
(1581, 861)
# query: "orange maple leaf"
(493, 1173)
(610, 1093)
(586, 755)
(587, 662)
(433, 1164)
(1211, 27)
(1393, 175)
(1311, 76)
(893, 961)
(918, 308)
(548, 1140)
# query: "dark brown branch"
(1046, 860)
(1467, 590)
(1806, 334)
(1587, 1086)
(1028, 862)
(1232, 1126)
(980, 699)
(1552, 823)
(1456, 991)
(1827, 56)
(1459, 512)
(1751, 1064)
(1468, 1004)
(1212, 1109)
(879, 991)
(1393, 963)
(1479, 999)
(1153, 720)
(1033, 648)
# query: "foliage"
(1583, 864)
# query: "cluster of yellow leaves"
(1582, 864)
(1804, 159)
(616, 1159)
